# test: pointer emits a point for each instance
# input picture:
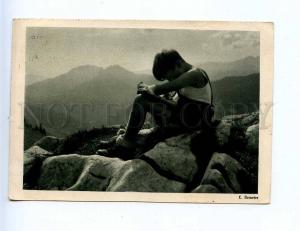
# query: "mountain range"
(219, 70)
(241, 67)
(90, 96)
(32, 78)
(84, 97)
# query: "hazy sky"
(53, 51)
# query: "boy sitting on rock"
(189, 109)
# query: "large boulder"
(250, 119)
(174, 158)
(225, 174)
(206, 188)
(232, 129)
(138, 176)
(97, 173)
(33, 158)
(252, 135)
(49, 143)
(61, 172)
(223, 132)
(246, 119)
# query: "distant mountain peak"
(85, 67)
(117, 68)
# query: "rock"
(182, 141)
(252, 135)
(49, 143)
(223, 132)
(97, 173)
(33, 158)
(206, 188)
(194, 160)
(214, 177)
(37, 151)
(250, 119)
(226, 174)
(175, 158)
(138, 176)
(232, 133)
(61, 172)
(235, 117)
(243, 119)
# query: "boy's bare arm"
(194, 78)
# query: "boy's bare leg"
(142, 105)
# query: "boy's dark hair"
(164, 62)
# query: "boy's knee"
(140, 99)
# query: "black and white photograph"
(142, 111)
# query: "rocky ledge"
(222, 160)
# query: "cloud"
(237, 39)
(60, 49)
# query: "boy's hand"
(144, 88)
(141, 86)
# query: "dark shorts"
(188, 114)
(193, 114)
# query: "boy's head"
(166, 62)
